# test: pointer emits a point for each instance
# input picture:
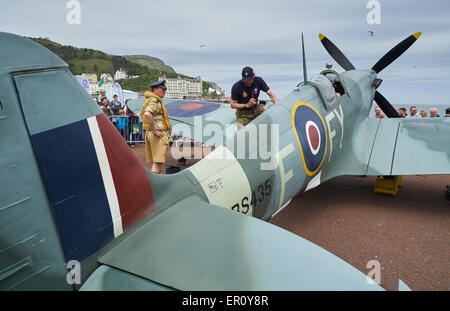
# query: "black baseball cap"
(247, 74)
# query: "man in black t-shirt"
(244, 97)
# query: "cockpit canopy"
(325, 89)
(336, 80)
(330, 86)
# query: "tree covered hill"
(83, 60)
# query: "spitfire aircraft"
(73, 195)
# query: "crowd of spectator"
(123, 118)
(413, 113)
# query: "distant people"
(100, 97)
(434, 113)
(126, 110)
(135, 121)
(122, 124)
(115, 104)
(447, 112)
(105, 108)
(133, 125)
(423, 114)
(378, 114)
(413, 112)
(244, 97)
(402, 112)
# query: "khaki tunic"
(154, 106)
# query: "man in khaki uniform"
(244, 97)
(157, 127)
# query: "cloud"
(263, 34)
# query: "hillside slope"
(83, 60)
(150, 62)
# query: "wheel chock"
(388, 184)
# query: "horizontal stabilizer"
(106, 278)
(197, 246)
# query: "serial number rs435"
(260, 193)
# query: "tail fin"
(64, 194)
(95, 194)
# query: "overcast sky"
(263, 34)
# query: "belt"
(162, 130)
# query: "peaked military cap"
(161, 84)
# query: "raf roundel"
(186, 109)
(190, 107)
(311, 134)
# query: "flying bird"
(371, 33)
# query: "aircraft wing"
(397, 146)
(410, 146)
(194, 119)
(194, 245)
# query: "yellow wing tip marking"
(417, 35)
(321, 36)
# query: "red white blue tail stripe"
(96, 186)
(106, 175)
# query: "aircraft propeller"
(338, 56)
(385, 61)
(395, 53)
(385, 105)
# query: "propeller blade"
(337, 55)
(385, 106)
(395, 53)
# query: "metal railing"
(129, 127)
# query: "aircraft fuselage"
(309, 135)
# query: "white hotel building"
(183, 88)
(120, 75)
